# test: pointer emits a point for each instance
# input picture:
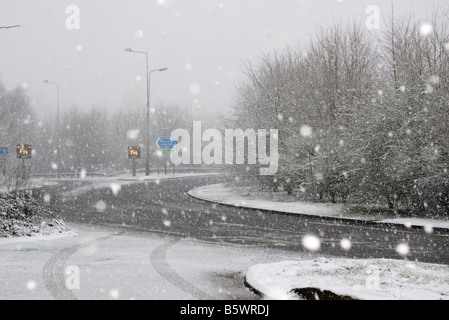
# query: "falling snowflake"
(101, 206)
(31, 285)
(114, 294)
(428, 229)
(311, 243)
(139, 34)
(195, 89)
(403, 249)
(426, 29)
(47, 198)
(167, 223)
(133, 134)
(115, 188)
(306, 131)
(345, 244)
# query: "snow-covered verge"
(116, 183)
(32, 184)
(162, 176)
(242, 197)
(22, 216)
(350, 279)
(250, 198)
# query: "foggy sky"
(203, 43)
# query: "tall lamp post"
(57, 124)
(147, 138)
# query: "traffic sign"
(134, 152)
(3, 150)
(166, 143)
(24, 153)
(168, 152)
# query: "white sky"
(203, 43)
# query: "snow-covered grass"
(46, 234)
(359, 279)
(161, 176)
(250, 198)
(32, 184)
(242, 197)
(426, 223)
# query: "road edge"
(354, 221)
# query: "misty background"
(203, 43)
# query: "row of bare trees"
(97, 140)
(91, 140)
(16, 120)
(360, 118)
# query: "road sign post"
(134, 153)
(166, 145)
(134, 168)
(22, 154)
(3, 154)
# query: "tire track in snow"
(53, 273)
(158, 259)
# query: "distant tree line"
(361, 119)
(95, 140)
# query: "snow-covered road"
(150, 240)
(113, 264)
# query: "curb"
(353, 221)
(167, 179)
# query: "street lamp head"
(164, 69)
(46, 81)
(128, 50)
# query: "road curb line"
(328, 218)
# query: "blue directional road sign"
(166, 143)
(3, 150)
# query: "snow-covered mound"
(21, 215)
(370, 279)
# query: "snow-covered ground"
(161, 176)
(33, 184)
(116, 183)
(221, 193)
(13, 229)
(243, 197)
(359, 279)
(106, 263)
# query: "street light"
(57, 123)
(147, 140)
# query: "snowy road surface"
(165, 208)
(151, 240)
(116, 264)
